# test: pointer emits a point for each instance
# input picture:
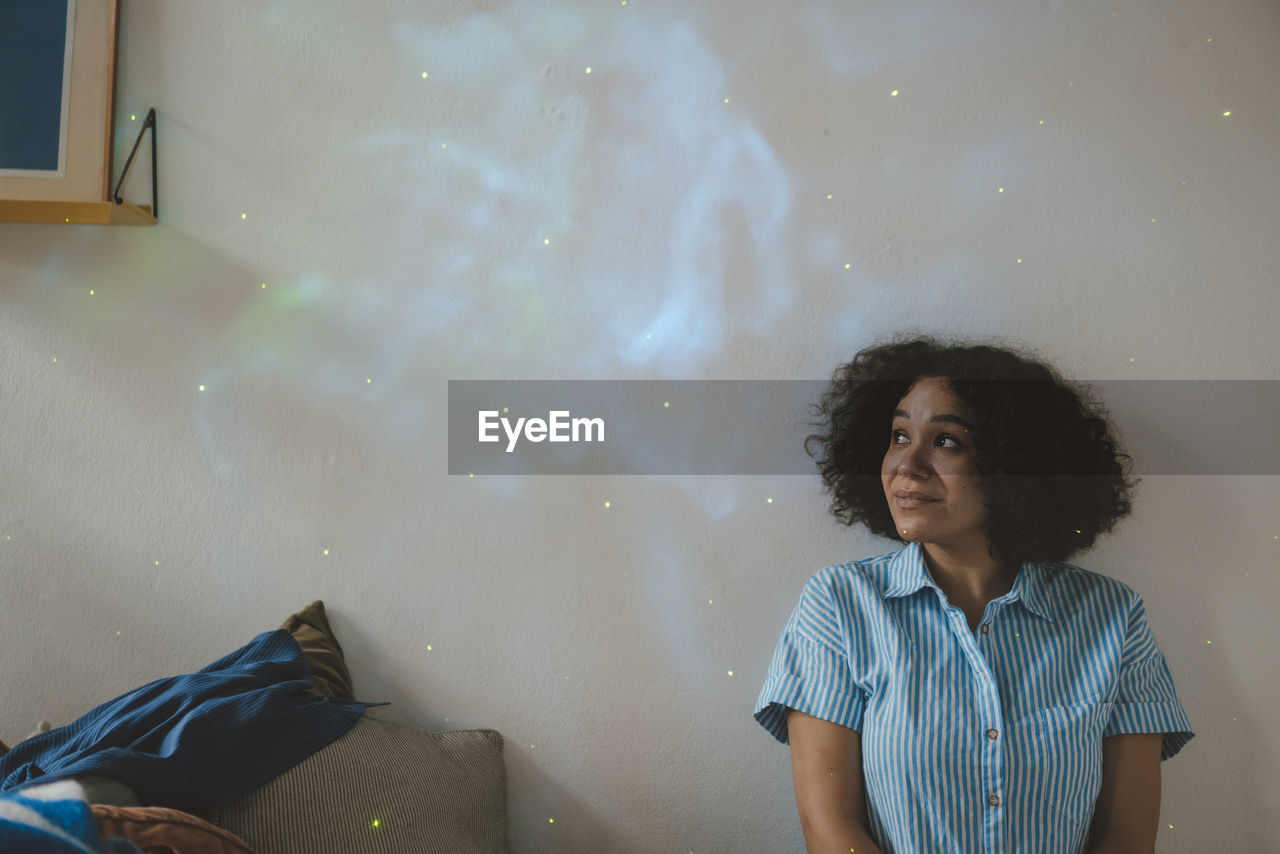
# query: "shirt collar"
(907, 573)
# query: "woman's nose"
(913, 460)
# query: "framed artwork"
(57, 81)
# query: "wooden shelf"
(83, 213)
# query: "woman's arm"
(1127, 814)
(826, 764)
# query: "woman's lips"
(914, 503)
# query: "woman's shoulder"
(1069, 583)
(839, 601)
(865, 575)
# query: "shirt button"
(994, 800)
(986, 629)
(992, 734)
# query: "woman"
(972, 692)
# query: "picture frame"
(57, 88)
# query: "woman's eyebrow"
(947, 419)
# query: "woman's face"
(931, 451)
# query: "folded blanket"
(53, 818)
(195, 741)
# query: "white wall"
(399, 224)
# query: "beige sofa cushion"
(382, 787)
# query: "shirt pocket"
(1069, 743)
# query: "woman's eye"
(896, 433)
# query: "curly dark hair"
(1051, 468)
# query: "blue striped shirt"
(974, 741)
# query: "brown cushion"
(310, 628)
(383, 787)
(158, 830)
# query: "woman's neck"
(967, 577)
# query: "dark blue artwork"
(33, 45)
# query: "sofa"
(382, 786)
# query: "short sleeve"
(1146, 701)
(810, 669)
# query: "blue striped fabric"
(986, 741)
(53, 818)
